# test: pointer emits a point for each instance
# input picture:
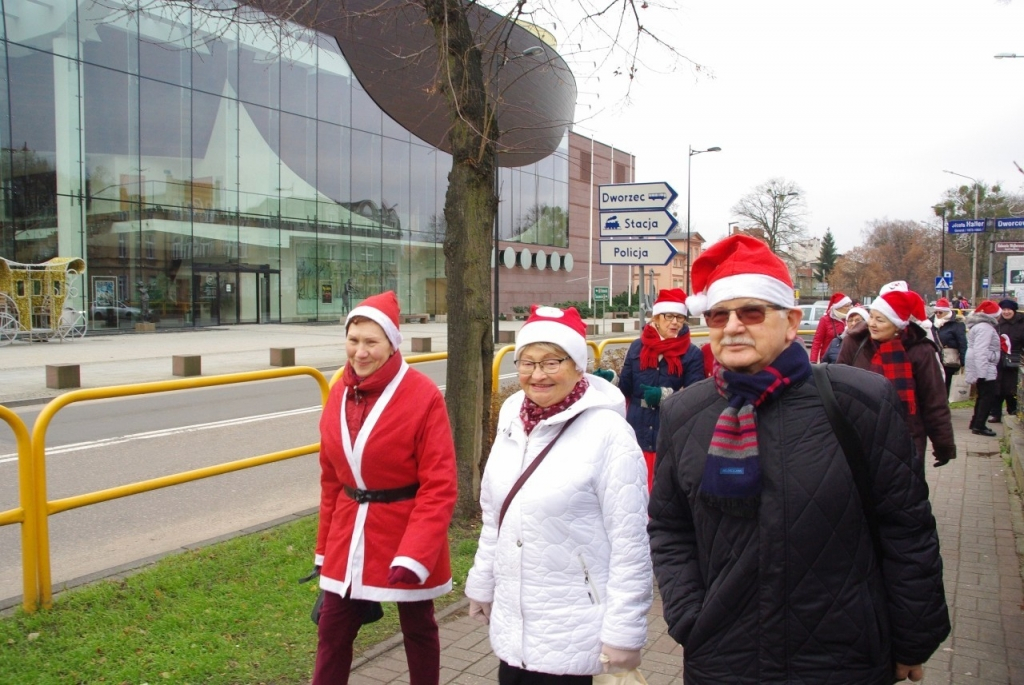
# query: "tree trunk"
(469, 209)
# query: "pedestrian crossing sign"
(942, 283)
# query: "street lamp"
(688, 162)
(940, 210)
(1008, 55)
(974, 238)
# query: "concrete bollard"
(61, 376)
(187, 365)
(618, 327)
(282, 356)
(421, 344)
(591, 329)
(506, 336)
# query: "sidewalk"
(977, 516)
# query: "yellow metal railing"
(25, 513)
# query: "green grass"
(230, 613)
(966, 404)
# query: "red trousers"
(649, 458)
(340, 620)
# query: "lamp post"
(974, 238)
(688, 164)
(940, 210)
(1008, 55)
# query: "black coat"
(797, 595)
(1014, 328)
(954, 334)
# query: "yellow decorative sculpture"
(33, 297)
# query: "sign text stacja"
(654, 252)
(640, 211)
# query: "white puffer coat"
(571, 567)
(982, 348)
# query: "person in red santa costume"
(830, 326)
(388, 490)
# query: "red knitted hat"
(383, 310)
(739, 266)
(562, 327)
(901, 307)
(942, 305)
(987, 307)
(670, 301)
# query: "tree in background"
(777, 208)
(826, 258)
(892, 250)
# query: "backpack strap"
(853, 448)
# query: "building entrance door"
(205, 302)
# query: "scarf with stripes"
(891, 361)
(732, 471)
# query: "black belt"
(382, 496)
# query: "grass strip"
(231, 613)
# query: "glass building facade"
(234, 170)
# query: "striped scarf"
(732, 471)
(891, 361)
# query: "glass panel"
(365, 112)
(395, 194)
(259, 65)
(215, 54)
(165, 134)
(112, 37)
(165, 42)
(299, 158)
(422, 195)
(214, 149)
(259, 171)
(526, 218)
(506, 203)
(44, 24)
(298, 75)
(366, 190)
(112, 137)
(561, 204)
(334, 83)
(334, 150)
(6, 172)
(248, 298)
(228, 281)
(393, 129)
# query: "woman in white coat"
(983, 362)
(563, 570)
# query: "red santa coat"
(404, 438)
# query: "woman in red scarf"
(893, 344)
(659, 363)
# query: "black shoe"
(995, 419)
(984, 430)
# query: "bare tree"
(776, 207)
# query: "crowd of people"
(777, 496)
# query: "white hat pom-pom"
(697, 304)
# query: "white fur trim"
(668, 308)
(757, 286)
(858, 310)
(880, 305)
(558, 334)
(381, 319)
(892, 286)
(842, 303)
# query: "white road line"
(166, 432)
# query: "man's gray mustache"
(737, 340)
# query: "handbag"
(634, 677)
(1009, 360)
(951, 357)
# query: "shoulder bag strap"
(530, 469)
(853, 448)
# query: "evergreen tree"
(826, 258)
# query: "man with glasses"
(770, 567)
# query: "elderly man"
(771, 569)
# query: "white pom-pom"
(697, 304)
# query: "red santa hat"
(893, 286)
(838, 301)
(670, 301)
(901, 307)
(739, 266)
(383, 310)
(942, 305)
(1004, 343)
(987, 307)
(562, 327)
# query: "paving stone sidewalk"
(978, 515)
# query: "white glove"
(617, 660)
(480, 611)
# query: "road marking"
(166, 432)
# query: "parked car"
(116, 312)
(812, 313)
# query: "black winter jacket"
(954, 334)
(796, 595)
(1014, 328)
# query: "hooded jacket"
(953, 334)
(982, 348)
(932, 420)
(570, 568)
(1014, 328)
(797, 595)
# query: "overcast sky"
(861, 104)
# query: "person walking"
(952, 335)
(854, 317)
(388, 491)
(983, 362)
(658, 363)
(896, 346)
(768, 567)
(1011, 325)
(830, 326)
(562, 574)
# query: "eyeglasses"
(548, 366)
(673, 318)
(748, 314)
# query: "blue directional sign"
(653, 224)
(966, 226)
(942, 284)
(1010, 222)
(634, 196)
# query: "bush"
(582, 307)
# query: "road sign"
(966, 226)
(634, 196)
(948, 275)
(821, 287)
(1009, 246)
(984, 283)
(644, 223)
(601, 293)
(942, 284)
(654, 252)
(1010, 222)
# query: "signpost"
(600, 293)
(1009, 246)
(966, 226)
(643, 223)
(637, 252)
(1010, 222)
(635, 196)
